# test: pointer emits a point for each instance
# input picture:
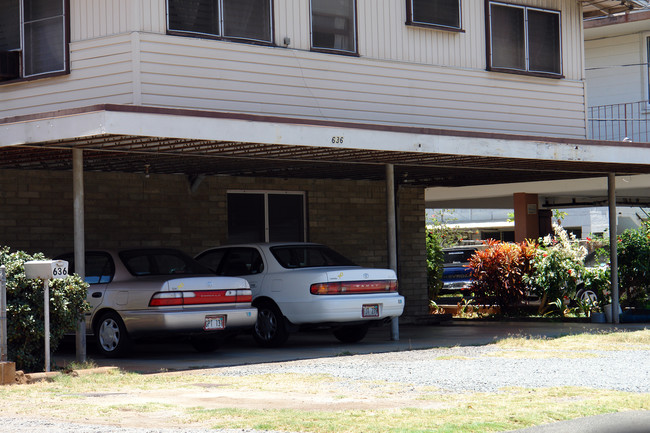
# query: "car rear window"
(301, 256)
(455, 256)
(161, 262)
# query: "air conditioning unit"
(9, 65)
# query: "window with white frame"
(524, 39)
(333, 26)
(262, 216)
(246, 20)
(434, 13)
(33, 38)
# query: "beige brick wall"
(125, 210)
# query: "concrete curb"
(22, 378)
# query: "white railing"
(620, 122)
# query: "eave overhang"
(173, 141)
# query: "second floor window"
(434, 13)
(333, 26)
(33, 38)
(524, 39)
(234, 19)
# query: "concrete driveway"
(159, 356)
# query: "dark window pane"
(286, 218)
(249, 19)
(39, 9)
(438, 12)
(333, 25)
(9, 25)
(44, 46)
(508, 37)
(196, 16)
(246, 218)
(544, 41)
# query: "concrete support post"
(3, 314)
(79, 242)
(526, 216)
(613, 240)
(391, 223)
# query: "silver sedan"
(156, 291)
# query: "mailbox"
(46, 269)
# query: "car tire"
(112, 338)
(205, 344)
(270, 328)
(351, 333)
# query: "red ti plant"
(498, 274)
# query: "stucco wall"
(124, 210)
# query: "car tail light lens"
(201, 297)
(354, 287)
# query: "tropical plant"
(634, 263)
(557, 268)
(498, 274)
(25, 310)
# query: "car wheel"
(205, 344)
(270, 329)
(351, 333)
(112, 338)
(587, 295)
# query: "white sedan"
(297, 285)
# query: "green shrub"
(25, 315)
(435, 259)
(498, 274)
(634, 264)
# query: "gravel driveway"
(473, 368)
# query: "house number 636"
(337, 140)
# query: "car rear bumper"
(342, 308)
(184, 321)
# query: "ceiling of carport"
(159, 155)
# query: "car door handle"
(96, 294)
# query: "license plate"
(371, 310)
(214, 323)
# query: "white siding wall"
(615, 69)
(404, 75)
(184, 72)
(101, 73)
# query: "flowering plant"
(557, 267)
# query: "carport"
(201, 144)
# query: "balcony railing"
(620, 122)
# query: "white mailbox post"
(46, 270)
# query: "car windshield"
(308, 256)
(161, 262)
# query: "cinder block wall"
(126, 210)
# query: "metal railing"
(620, 122)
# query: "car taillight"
(200, 297)
(353, 287)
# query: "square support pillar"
(526, 208)
(7, 373)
